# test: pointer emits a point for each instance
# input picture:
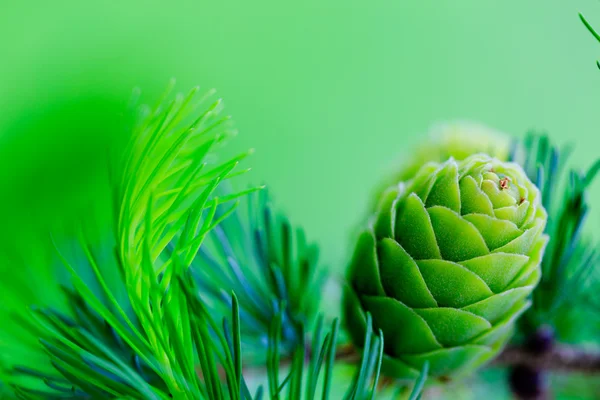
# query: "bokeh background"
(330, 93)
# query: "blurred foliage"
(123, 317)
(570, 260)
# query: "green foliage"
(447, 263)
(151, 313)
(595, 34)
(570, 258)
(322, 357)
(190, 292)
(271, 267)
(162, 190)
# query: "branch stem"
(560, 358)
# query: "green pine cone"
(447, 264)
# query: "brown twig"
(560, 358)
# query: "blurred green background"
(329, 94)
